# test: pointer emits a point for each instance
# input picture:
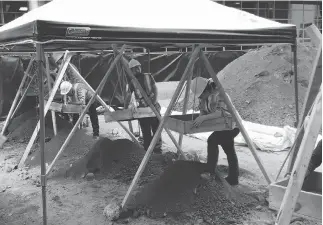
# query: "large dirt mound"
(180, 191)
(260, 83)
(119, 159)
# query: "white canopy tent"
(98, 24)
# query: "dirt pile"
(180, 191)
(119, 159)
(79, 145)
(260, 83)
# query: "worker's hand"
(198, 121)
(133, 108)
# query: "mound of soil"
(79, 145)
(119, 159)
(260, 83)
(180, 191)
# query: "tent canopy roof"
(96, 24)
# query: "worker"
(80, 95)
(316, 158)
(74, 88)
(148, 125)
(211, 105)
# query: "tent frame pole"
(294, 51)
(40, 63)
(67, 58)
(80, 119)
(161, 125)
(235, 115)
(13, 107)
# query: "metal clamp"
(43, 180)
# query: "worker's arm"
(81, 95)
(154, 92)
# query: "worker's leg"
(227, 144)
(94, 120)
(146, 131)
(316, 159)
(212, 152)
(154, 126)
(75, 117)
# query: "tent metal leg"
(40, 56)
(160, 127)
(99, 88)
(236, 116)
(50, 99)
(294, 50)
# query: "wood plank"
(301, 164)
(127, 114)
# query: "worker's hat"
(57, 56)
(65, 87)
(133, 63)
(198, 85)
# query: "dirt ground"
(76, 199)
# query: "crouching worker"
(148, 125)
(211, 105)
(80, 95)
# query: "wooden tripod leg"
(160, 127)
(296, 179)
(51, 97)
(80, 119)
(186, 98)
(106, 107)
(236, 116)
(14, 104)
(147, 99)
(49, 89)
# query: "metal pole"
(39, 56)
(294, 50)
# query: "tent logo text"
(78, 31)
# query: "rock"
(230, 221)
(165, 214)
(83, 175)
(89, 176)
(199, 221)
(112, 211)
(136, 214)
(248, 102)
(27, 177)
(259, 207)
(9, 168)
(262, 74)
(290, 106)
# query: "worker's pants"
(226, 140)
(316, 159)
(93, 117)
(149, 127)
